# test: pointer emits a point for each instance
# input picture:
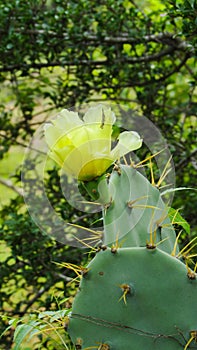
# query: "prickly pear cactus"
(134, 211)
(135, 293)
(134, 298)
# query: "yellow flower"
(83, 147)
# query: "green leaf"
(178, 189)
(192, 3)
(176, 218)
(53, 315)
(12, 323)
(22, 331)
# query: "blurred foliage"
(56, 54)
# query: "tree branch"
(11, 186)
(96, 63)
(43, 290)
(16, 142)
(36, 296)
(173, 44)
(165, 38)
(185, 161)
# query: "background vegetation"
(56, 54)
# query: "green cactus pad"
(133, 209)
(134, 298)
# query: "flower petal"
(127, 142)
(99, 114)
(98, 122)
(67, 120)
(96, 167)
(78, 162)
(58, 129)
(51, 134)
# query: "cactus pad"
(134, 210)
(135, 298)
